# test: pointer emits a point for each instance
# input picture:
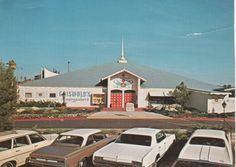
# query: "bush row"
(194, 113)
(38, 104)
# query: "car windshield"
(197, 164)
(208, 141)
(134, 139)
(77, 140)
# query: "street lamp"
(224, 106)
(63, 98)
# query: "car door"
(21, 148)
(5, 150)
(160, 139)
(37, 141)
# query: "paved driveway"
(126, 115)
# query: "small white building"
(115, 84)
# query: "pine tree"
(8, 96)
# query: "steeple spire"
(122, 59)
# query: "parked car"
(71, 149)
(139, 147)
(206, 148)
(16, 146)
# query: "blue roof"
(90, 77)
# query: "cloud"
(197, 34)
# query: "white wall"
(211, 103)
(143, 95)
(75, 97)
(215, 106)
(47, 73)
(198, 100)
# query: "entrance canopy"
(159, 93)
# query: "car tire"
(8, 164)
(156, 161)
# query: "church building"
(116, 84)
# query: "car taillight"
(97, 158)
(136, 164)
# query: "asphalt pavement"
(119, 123)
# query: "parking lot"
(167, 160)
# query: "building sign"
(122, 83)
(75, 96)
(98, 99)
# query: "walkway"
(126, 115)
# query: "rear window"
(99, 136)
(5, 145)
(77, 140)
(134, 139)
(35, 138)
(197, 164)
(208, 141)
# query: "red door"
(130, 97)
(116, 99)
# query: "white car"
(16, 146)
(206, 148)
(139, 147)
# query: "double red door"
(116, 99)
(130, 97)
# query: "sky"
(191, 38)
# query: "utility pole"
(68, 66)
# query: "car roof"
(142, 131)
(15, 133)
(81, 132)
(209, 133)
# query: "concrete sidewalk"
(126, 115)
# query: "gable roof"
(124, 70)
(90, 77)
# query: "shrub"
(38, 104)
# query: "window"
(5, 145)
(135, 139)
(98, 99)
(52, 95)
(160, 136)
(40, 94)
(90, 140)
(77, 140)
(21, 141)
(28, 95)
(207, 141)
(35, 138)
(99, 136)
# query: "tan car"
(16, 146)
(71, 149)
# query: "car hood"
(56, 151)
(123, 152)
(206, 153)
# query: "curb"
(206, 119)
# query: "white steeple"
(122, 59)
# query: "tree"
(181, 94)
(8, 95)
